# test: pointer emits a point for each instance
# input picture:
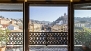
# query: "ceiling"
(19, 6)
(11, 7)
(48, 0)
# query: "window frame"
(11, 1)
(68, 3)
(72, 20)
(20, 2)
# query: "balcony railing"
(48, 38)
(39, 38)
(45, 38)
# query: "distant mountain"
(61, 20)
(87, 19)
(40, 22)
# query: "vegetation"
(83, 36)
(4, 37)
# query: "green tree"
(83, 37)
(4, 36)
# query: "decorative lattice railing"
(48, 38)
(15, 38)
(81, 38)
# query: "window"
(48, 19)
(82, 26)
(11, 18)
(47, 25)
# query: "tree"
(4, 36)
(82, 37)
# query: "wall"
(5, 22)
(10, 27)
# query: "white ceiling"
(11, 6)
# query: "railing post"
(46, 39)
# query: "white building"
(13, 27)
(80, 24)
(60, 23)
(1, 26)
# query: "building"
(1, 26)
(4, 21)
(78, 24)
(12, 27)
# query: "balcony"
(46, 41)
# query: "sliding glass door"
(48, 27)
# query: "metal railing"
(39, 40)
(47, 38)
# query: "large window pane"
(48, 19)
(82, 27)
(11, 27)
(48, 25)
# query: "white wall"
(16, 28)
(1, 26)
(10, 27)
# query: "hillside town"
(11, 24)
(59, 25)
(80, 23)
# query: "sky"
(14, 15)
(82, 13)
(45, 13)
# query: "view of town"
(44, 19)
(11, 30)
(59, 25)
(14, 25)
(50, 22)
(82, 20)
(81, 23)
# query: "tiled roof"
(5, 25)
